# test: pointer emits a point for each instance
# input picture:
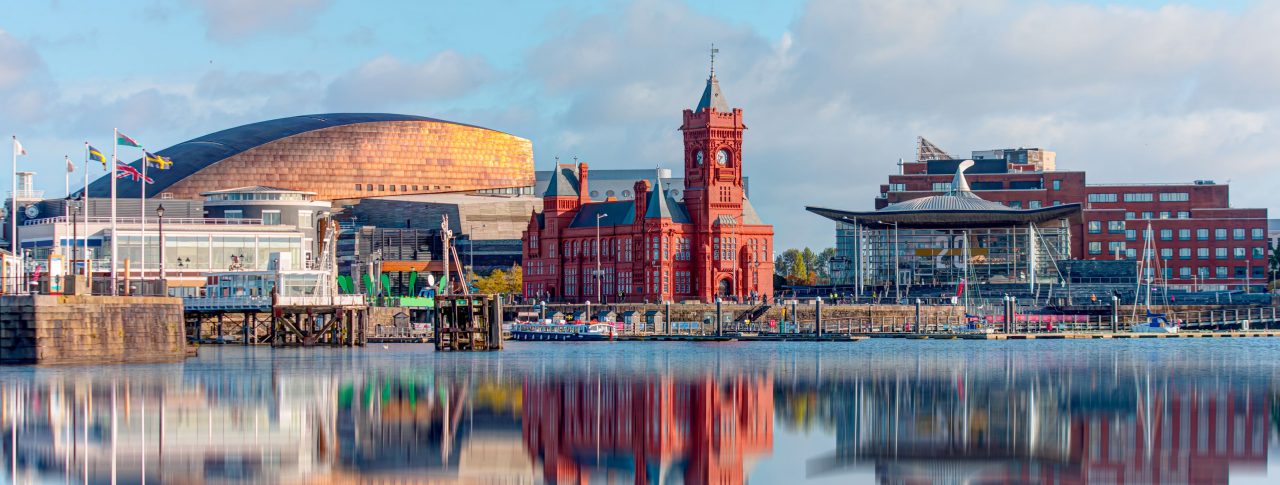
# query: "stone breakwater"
(46, 329)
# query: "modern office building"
(340, 156)
(711, 244)
(1202, 241)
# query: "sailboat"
(1155, 322)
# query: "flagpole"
(142, 201)
(115, 149)
(13, 201)
(85, 196)
(66, 215)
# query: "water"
(894, 411)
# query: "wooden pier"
(468, 322)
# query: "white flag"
(17, 147)
(71, 167)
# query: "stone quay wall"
(806, 312)
(49, 329)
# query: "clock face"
(32, 211)
(722, 157)
(698, 157)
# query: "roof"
(661, 206)
(712, 98)
(616, 213)
(564, 182)
(948, 218)
(946, 203)
(194, 155)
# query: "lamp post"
(75, 233)
(471, 248)
(599, 280)
(160, 216)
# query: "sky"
(833, 92)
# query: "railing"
(150, 220)
(227, 303)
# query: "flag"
(156, 161)
(17, 147)
(96, 155)
(130, 173)
(124, 141)
(71, 167)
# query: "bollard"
(719, 317)
(1115, 313)
(917, 324)
(666, 317)
(817, 322)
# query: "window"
(1202, 253)
(1057, 185)
(609, 193)
(626, 193)
(1095, 227)
(1137, 197)
(393, 188)
(1240, 253)
(1220, 272)
(1114, 246)
(1237, 234)
(1146, 214)
(897, 187)
(1102, 197)
(415, 188)
(1259, 234)
(271, 218)
(359, 187)
(1115, 226)
(1184, 273)
(1131, 253)
(1057, 202)
(1258, 272)
(1095, 247)
(1220, 253)
(1202, 234)
(404, 188)
(233, 214)
(1166, 234)
(1035, 204)
(382, 187)
(1174, 197)
(1184, 253)
(1016, 204)
(1184, 234)
(1128, 216)
(1164, 214)
(369, 187)
(1220, 234)
(304, 219)
(595, 194)
(1259, 252)
(1202, 272)
(1184, 215)
(1131, 234)
(942, 186)
(1166, 253)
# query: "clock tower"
(713, 156)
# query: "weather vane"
(714, 50)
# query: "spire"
(563, 183)
(960, 186)
(660, 206)
(711, 96)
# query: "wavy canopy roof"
(194, 155)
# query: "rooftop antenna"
(714, 50)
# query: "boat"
(974, 324)
(549, 331)
(1156, 322)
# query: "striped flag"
(17, 147)
(124, 141)
(71, 167)
(130, 173)
(96, 155)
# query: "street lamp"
(471, 247)
(73, 203)
(160, 216)
(599, 287)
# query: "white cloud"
(236, 20)
(388, 81)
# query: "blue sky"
(834, 91)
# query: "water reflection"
(637, 413)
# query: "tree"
(804, 267)
(501, 282)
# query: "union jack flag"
(126, 171)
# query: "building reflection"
(1049, 427)
(648, 430)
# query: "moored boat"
(563, 331)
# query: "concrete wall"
(830, 313)
(46, 329)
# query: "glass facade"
(933, 257)
(213, 252)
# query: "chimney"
(583, 196)
(642, 198)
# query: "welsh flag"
(124, 141)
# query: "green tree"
(501, 282)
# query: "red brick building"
(655, 248)
(1202, 242)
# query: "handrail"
(138, 220)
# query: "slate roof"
(564, 182)
(617, 213)
(712, 98)
(661, 206)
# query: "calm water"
(892, 411)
